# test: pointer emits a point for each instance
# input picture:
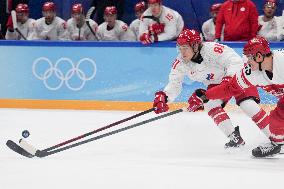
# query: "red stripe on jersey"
(176, 62)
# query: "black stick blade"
(18, 149)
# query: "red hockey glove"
(274, 89)
(226, 79)
(9, 24)
(160, 102)
(157, 28)
(196, 101)
(146, 39)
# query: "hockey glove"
(226, 79)
(146, 39)
(195, 102)
(160, 102)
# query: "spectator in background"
(102, 4)
(208, 27)
(113, 29)
(77, 27)
(268, 23)
(50, 26)
(25, 24)
(159, 23)
(240, 20)
(139, 8)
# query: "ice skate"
(235, 139)
(269, 149)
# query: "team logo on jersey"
(243, 9)
(210, 76)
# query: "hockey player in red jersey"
(264, 69)
(212, 64)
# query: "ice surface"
(183, 151)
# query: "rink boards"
(90, 75)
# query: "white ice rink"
(183, 151)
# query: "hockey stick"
(197, 20)
(12, 145)
(29, 151)
(15, 25)
(88, 17)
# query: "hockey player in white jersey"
(77, 27)
(50, 26)
(25, 24)
(159, 23)
(269, 25)
(265, 69)
(212, 64)
(208, 27)
(113, 29)
(139, 8)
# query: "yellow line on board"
(95, 105)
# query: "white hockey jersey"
(84, 33)
(134, 26)
(246, 77)
(57, 30)
(270, 30)
(218, 61)
(120, 32)
(173, 21)
(27, 29)
(208, 29)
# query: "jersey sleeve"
(176, 78)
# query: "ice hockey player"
(208, 27)
(139, 8)
(212, 64)
(77, 27)
(25, 24)
(50, 26)
(265, 69)
(113, 29)
(159, 23)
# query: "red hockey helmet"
(154, 1)
(48, 6)
(77, 8)
(215, 7)
(189, 37)
(22, 8)
(270, 3)
(110, 10)
(140, 6)
(256, 45)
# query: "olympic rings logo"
(64, 71)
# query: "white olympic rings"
(55, 70)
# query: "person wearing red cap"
(77, 27)
(269, 24)
(239, 19)
(113, 29)
(159, 23)
(139, 8)
(50, 26)
(208, 27)
(211, 64)
(264, 69)
(24, 23)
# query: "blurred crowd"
(233, 20)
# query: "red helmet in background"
(110, 10)
(215, 7)
(154, 1)
(189, 37)
(77, 8)
(22, 8)
(270, 3)
(48, 6)
(256, 45)
(140, 6)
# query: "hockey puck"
(25, 133)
